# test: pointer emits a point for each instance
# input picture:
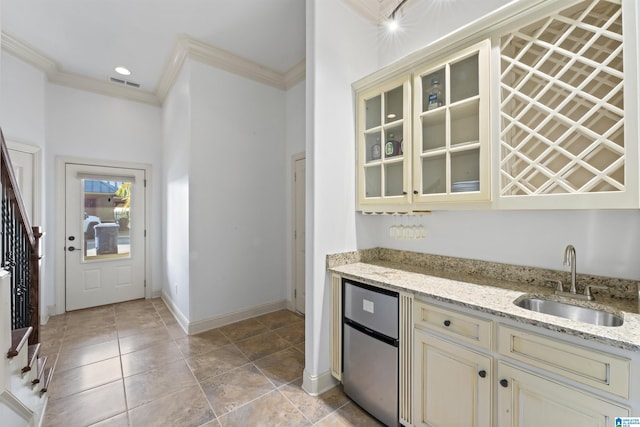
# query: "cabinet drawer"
(593, 368)
(464, 327)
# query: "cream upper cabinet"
(451, 129)
(568, 104)
(384, 142)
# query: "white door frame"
(294, 159)
(36, 152)
(59, 239)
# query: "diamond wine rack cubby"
(561, 105)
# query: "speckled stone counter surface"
(492, 287)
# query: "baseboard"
(156, 294)
(315, 385)
(225, 319)
(173, 308)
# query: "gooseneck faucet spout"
(570, 260)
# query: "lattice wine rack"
(561, 107)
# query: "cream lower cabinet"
(528, 400)
(452, 384)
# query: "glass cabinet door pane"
(465, 123)
(434, 178)
(373, 112)
(433, 90)
(393, 105)
(433, 131)
(373, 181)
(373, 147)
(465, 170)
(393, 142)
(464, 78)
(393, 179)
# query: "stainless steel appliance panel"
(374, 310)
(370, 375)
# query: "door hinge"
(145, 283)
(295, 293)
(145, 233)
(295, 234)
(145, 183)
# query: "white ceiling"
(91, 37)
(81, 41)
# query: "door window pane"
(105, 226)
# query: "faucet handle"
(558, 284)
(587, 291)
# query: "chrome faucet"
(570, 260)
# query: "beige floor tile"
(85, 377)
(300, 347)
(272, 409)
(350, 415)
(121, 420)
(228, 391)
(194, 345)
(150, 385)
(278, 319)
(262, 345)
(97, 322)
(314, 408)
(150, 358)
(89, 337)
(87, 407)
(187, 407)
(85, 355)
(294, 333)
(244, 329)
(144, 338)
(175, 330)
(282, 367)
(216, 362)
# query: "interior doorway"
(298, 232)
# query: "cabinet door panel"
(528, 400)
(449, 390)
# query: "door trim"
(59, 238)
(294, 158)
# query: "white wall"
(295, 143)
(341, 47)
(604, 240)
(176, 146)
(87, 125)
(22, 119)
(237, 193)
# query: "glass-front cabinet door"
(451, 129)
(384, 147)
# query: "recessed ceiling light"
(124, 71)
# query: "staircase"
(24, 372)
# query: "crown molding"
(31, 55)
(183, 48)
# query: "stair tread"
(19, 338)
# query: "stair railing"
(20, 254)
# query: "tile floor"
(130, 364)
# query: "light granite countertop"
(495, 297)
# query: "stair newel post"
(34, 288)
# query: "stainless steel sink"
(571, 311)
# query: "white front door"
(105, 232)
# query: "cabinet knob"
(447, 323)
(404, 193)
(482, 373)
(504, 383)
(415, 191)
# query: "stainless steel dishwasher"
(370, 349)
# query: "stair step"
(19, 338)
(48, 374)
(41, 364)
(33, 353)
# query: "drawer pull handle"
(504, 383)
(447, 323)
(482, 373)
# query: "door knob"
(71, 249)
